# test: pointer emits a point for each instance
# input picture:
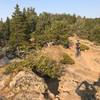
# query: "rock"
(27, 96)
(4, 80)
(28, 86)
(24, 85)
(4, 61)
(98, 93)
(2, 98)
(51, 95)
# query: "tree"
(43, 22)
(2, 33)
(31, 18)
(18, 29)
(7, 25)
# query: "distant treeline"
(25, 24)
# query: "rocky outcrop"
(4, 61)
(25, 85)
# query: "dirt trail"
(86, 68)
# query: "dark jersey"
(77, 45)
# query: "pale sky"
(88, 8)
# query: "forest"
(26, 24)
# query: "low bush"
(15, 67)
(66, 60)
(10, 68)
(84, 47)
(38, 63)
(46, 66)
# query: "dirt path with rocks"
(86, 68)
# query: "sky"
(88, 8)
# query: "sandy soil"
(86, 68)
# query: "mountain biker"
(78, 48)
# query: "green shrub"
(66, 60)
(84, 47)
(45, 66)
(38, 63)
(10, 68)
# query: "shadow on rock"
(52, 84)
(97, 83)
(86, 91)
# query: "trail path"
(86, 68)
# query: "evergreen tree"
(2, 32)
(7, 24)
(18, 29)
(31, 18)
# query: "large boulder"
(25, 85)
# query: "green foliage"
(95, 35)
(21, 25)
(30, 17)
(59, 27)
(7, 25)
(67, 60)
(18, 28)
(10, 68)
(88, 29)
(1, 35)
(36, 62)
(46, 66)
(84, 47)
(47, 26)
(17, 31)
(42, 39)
(43, 22)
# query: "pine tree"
(7, 24)
(2, 32)
(31, 18)
(18, 29)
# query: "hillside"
(86, 68)
(40, 56)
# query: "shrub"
(45, 66)
(66, 60)
(10, 68)
(84, 47)
(38, 63)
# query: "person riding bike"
(78, 48)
